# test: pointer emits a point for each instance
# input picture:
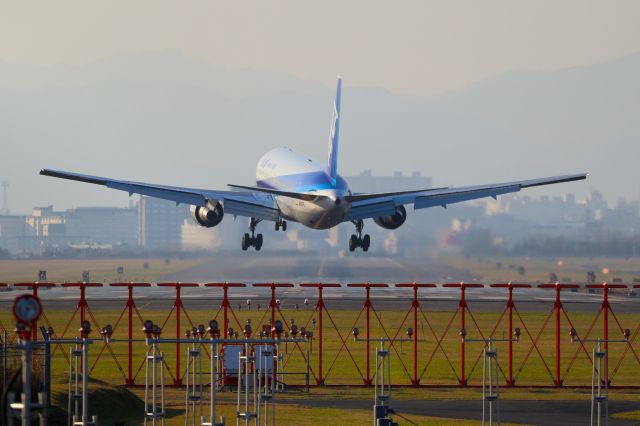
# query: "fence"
(436, 354)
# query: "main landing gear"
(357, 240)
(281, 224)
(252, 240)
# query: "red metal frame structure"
(606, 308)
(415, 307)
(558, 309)
(509, 308)
(319, 308)
(226, 305)
(272, 303)
(367, 307)
(462, 308)
(178, 307)
(129, 308)
(34, 286)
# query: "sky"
(404, 47)
(418, 47)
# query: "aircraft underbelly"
(310, 214)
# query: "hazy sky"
(408, 46)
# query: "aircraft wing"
(238, 203)
(364, 206)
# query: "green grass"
(571, 269)
(101, 270)
(627, 415)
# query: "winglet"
(334, 135)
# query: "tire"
(284, 226)
(246, 242)
(258, 242)
(353, 242)
(277, 226)
(366, 242)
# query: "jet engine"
(208, 216)
(393, 221)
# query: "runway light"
(230, 332)
(213, 329)
(148, 328)
(410, 332)
(294, 329)
(355, 332)
(157, 331)
(187, 333)
(247, 330)
(85, 329)
(626, 333)
(277, 328)
(201, 331)
(50, 332)
(573, 334)
(303, 332)
(306, 303)
(516, 334)
(313, 322)
(27, 308)
(266, 330)
(463, 332)
(106, 332)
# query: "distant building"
(367, 182)
(160, 224)
(102, 225)
(13, 230)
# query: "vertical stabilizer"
(334, 136)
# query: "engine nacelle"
(393, 221)
(208, 216)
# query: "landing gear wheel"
(284, 225)
(278, 226)
(366, 242)
(258, 242)
(353, 242)
(246, 242)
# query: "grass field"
(101, 270)
(570, 269)
(340, 369)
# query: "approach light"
(266, 330)
(157, 331)
(201, 330)
(85, 329)
(27, 308)
(247, 330)
(230, 331)
(236, 334)
(303, 332)
(294, 329)
(410, 332)
(187, 333)
(574, 334)
(516, 334)
(106, 332)
(309, 335)
(277, 328)
(50, 332)
(313, 322)
(355, 332)
(463, 332)
(626, 333)
(213, 329)
(148, 328)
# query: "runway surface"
(551, 413)
(262, 267)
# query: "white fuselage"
(286, 170)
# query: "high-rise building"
(160, 223)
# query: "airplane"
(292, 187)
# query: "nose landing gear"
(252, 240)
(357, 240)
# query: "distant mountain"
(173, 119)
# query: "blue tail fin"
(332, 164)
